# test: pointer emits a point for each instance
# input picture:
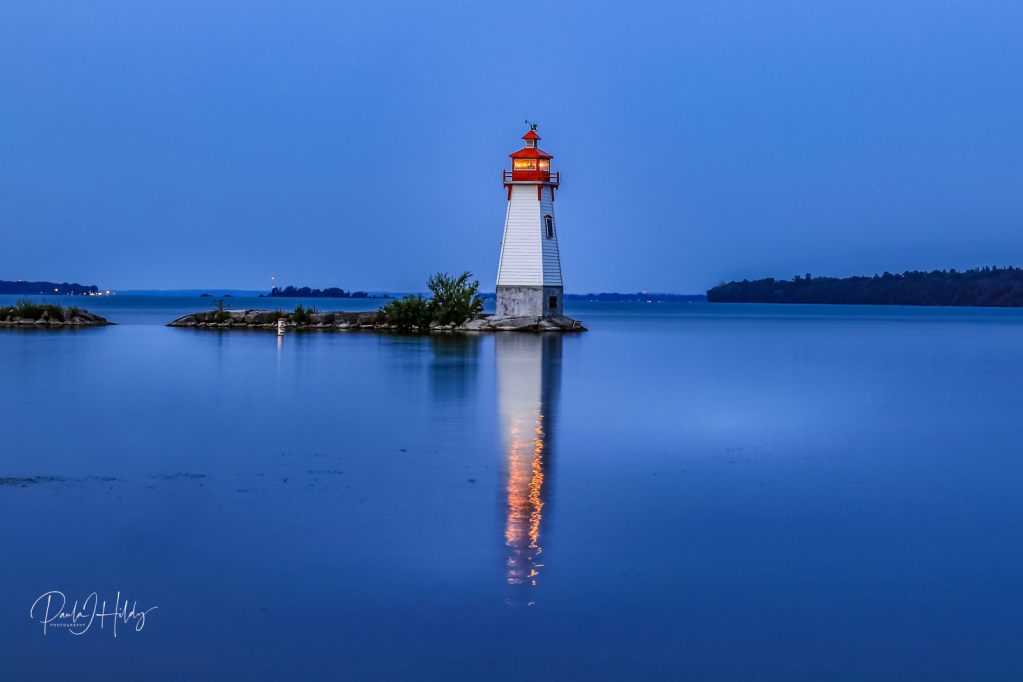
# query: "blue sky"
(217, 144)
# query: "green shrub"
(301, 315)
(28, 308)
(454, 299)
(407, 312)
(221, 310)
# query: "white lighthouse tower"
(529, 275)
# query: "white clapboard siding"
(549, 247)
(521, 255)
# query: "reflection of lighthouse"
(528, 382)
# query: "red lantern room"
(530, 164)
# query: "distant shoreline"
(21, 288)
(247, 293)
(988, 287)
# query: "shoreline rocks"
(70, 317)
(339, 320)
(493, 323)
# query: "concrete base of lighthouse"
(521, 301)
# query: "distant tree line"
(46, 288)
(656, 298)
(306, 292)
(982, 287)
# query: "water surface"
(718, 492)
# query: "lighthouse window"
(549, 224)
(545, 164)
(524, 164)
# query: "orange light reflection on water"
(525, 481)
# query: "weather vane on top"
(532, 126)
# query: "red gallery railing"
(552, 178)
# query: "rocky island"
(453, 306)
(308, 320)
(27, 313)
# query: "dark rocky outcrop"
(263, 319)
(558, 323)
(63, 317)
(340, 320)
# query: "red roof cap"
(531, 153)
(531, 135)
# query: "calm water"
(701, 492)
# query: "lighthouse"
(529, 274)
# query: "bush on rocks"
(454, 299)
(28, 309)
(407, 312)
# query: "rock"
(228, 322)
(514, 324)
(477, 325)
(236, 315)
(256, 317)
(67, 314)
(201, 317)
(563, 322)
(89, 318)
(328, 318)
(545, 325)
(56, 323)
(367, 319)
(45, 315)
(186, 321)
(26, 320)
(316, 318)
(434, 325)
(40, 321)
(351, 319)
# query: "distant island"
(65, 289)
(982, 287)
(642, 297)
(306, 292)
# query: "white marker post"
(280, 326)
